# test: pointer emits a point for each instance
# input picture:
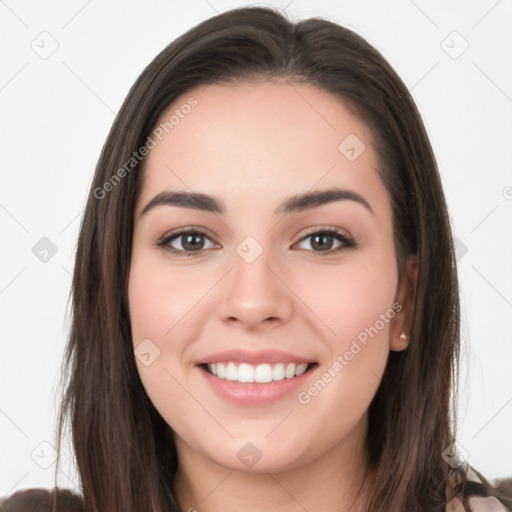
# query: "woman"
(265, 298)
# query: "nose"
(255, 295)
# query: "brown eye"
(192, 242)
(322, 242)
(327, 241)
(186, 243)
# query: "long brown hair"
(124, 450)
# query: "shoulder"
(41, 500)
(478, 498)
(477, 504)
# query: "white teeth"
(278, 372)
(231, 372)
(301, 368)
(290, 371)
(262, 373)
(245, 373)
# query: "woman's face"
(314, 282)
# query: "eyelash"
(347, 241)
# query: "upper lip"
(255, 357)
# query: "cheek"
(359, 310)
(363, 300)
(159, 300)
(164, 304)
(352, 298)
(159, 307)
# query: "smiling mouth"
(261, 373)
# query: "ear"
(406, 293)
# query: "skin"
(253, 145)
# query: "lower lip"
(255, 393)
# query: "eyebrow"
(296, 203)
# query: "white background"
(56, 113)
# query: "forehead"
(259, 140)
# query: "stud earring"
(403, 336)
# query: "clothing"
(476, 503)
